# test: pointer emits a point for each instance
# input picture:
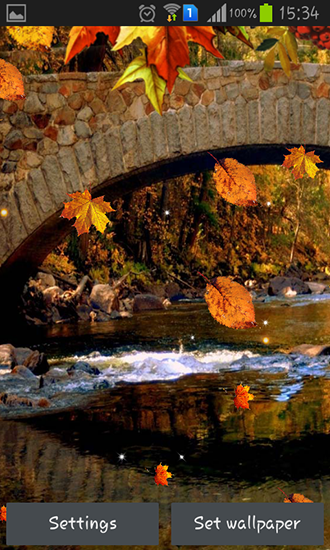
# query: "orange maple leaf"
(162, 475)
(235, 182)
(88, 211)
(168, 46)
(80, 37)
(301, 162)
(243, 397)
(230, 303)
(3, 513)
(294, 498)
(11, 82)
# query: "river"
(172, 377)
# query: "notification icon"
(190, 13)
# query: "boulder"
(316, 288)
(37, 363)
(52, 294)
(83, 366)
(277, 284)
(24, 372)
(105, 298)
(310, 350)
(45, 279)
(115, 315)
(7, 356)
(172, 289)
(101, 385)
(84, 312)
(144, 302)
(22, 354)
(287, 292)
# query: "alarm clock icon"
(147, 13)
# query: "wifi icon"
(172, 8)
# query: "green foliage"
(259, 270)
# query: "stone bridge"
(72, 132)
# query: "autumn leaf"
(242, 397)
(88, 211)
(235, 182)
(3, 513)
(11, 82)
(230, 303)
(162, 475)
(239, 32)
(295, 497)
(282, 43)
(302, 162)
(80, 37)
(33, 38)
(155, 85)
(168, 46)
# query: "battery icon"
(266, 13)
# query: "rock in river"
(37, 363)
(143, 302)
(278, 284)
(7, 356)
(311, 351)
(83, 366)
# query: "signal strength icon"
(220, 16)
(172, 8)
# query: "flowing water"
(172, 377)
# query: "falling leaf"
(11, 82)
(88, 211)
(302, 162)
(242, 397)
(239, 32)
(295, 497)
(162, 475)
(230, 303)
(155, 85)
(168, 46)
(33, 38)
(235, 182)
(80, 37)
(284, 44)
(3, 513)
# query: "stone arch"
(72, 131)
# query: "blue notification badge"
(190, 12)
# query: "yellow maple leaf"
(33, 38)
(301, 162)
(88, 211)
(155, 84)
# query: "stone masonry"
(72, 131)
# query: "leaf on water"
(80, 37)
(88, 211)
(33, 38)
(235, 182)
(242, 397)
(302, 163)
(3, 513)
(11, 82)
(230, 303)
(162, 475)
(155, 85)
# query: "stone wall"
(72, 131)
